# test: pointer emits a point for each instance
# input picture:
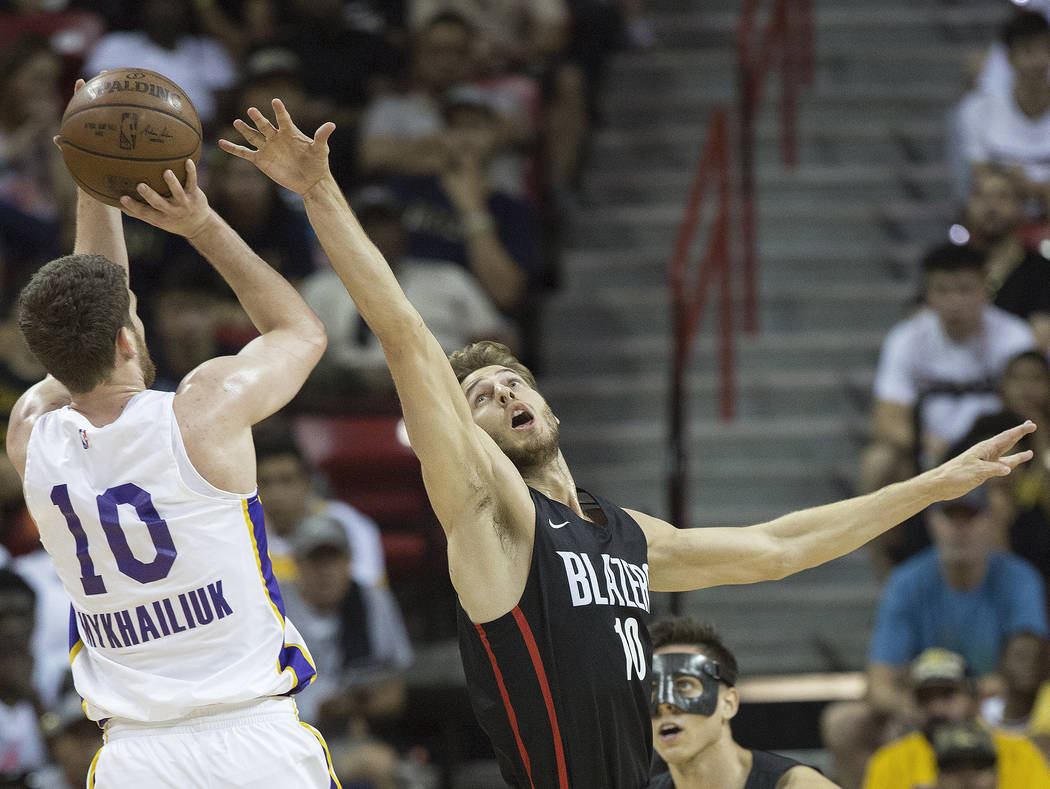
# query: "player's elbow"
(780, 557)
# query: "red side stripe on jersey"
(506, 703)
(541, 675)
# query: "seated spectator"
(460, 215)
(73, 741)
(1021, 506)
(1018, 276)
(165, 40)
(359, 645)
(694, 700)
(1013, 128)
(405, 132)
(36, 192)
(448, 298)
(966, 757)
(944, 695)
(288, 498)
(21, 744)
(1022, 669)
(937, 373)
(961, 595)
(253, 205)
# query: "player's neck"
(105, 403)
(554, 481)
(724, 764)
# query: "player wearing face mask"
(693, 700)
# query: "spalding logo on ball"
(125, 126)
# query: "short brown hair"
(70, 313)
(686, 631)
(485, 354)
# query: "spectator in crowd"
(966, 757)
(1013, 128)
(405, 132)
(288, 498)
(1022, 669)
(360, 647)
(21, 744)
(944, 694)
(36, 194)
(461, 216)
(165, 40)
(72, 740)
(960, 594)
(449, 299)
(937, 373)
(694, 700)
(253, 205)
(1018, 276)
(1021, 507)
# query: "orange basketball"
(125, 126)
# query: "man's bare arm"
(462, 467)
(683, 559)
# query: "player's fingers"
(236, 150)
(1013, 461)
(262, 123)
(324, 132)
(57, 140)
(280, 112)
(252, 136)
(172, 180)
(1002, 442)
(151, 196)
(132, 207)
(191, 177)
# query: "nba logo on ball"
(129, 124)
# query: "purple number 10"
(108, 514)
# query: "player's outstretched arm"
(234, 392)
(461, 464)
(683, 559)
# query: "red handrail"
(789, 34)
(687, 303)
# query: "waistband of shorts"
(217, 716)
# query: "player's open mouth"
(668, 731)
(521, 418)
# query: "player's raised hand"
(284, 153)
(981, 462)
(185, 213)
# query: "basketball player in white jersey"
(146, 502)
(553, 584)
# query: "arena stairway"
(839, 242)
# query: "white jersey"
(174, 604)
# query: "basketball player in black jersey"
(693, 700)
(553, 585)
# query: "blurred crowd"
(462, 131)
(961, 631)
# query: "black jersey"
(766, 770)
(559, 683)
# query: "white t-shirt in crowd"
(955, 381)
(992, 128)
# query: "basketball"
(125, 126)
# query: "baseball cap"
(974, 501)
(937, 666)
(958, 744)
(319, 531)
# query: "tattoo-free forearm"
(100, 230)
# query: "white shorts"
(261, 744)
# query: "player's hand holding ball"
(282, 152)
(185, 212)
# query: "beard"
(146, 365)
(540, 448)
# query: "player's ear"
(126, 342)
(729, 702)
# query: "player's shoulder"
(802, 776)
(41, 398)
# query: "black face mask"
(668, 667)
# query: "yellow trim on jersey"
(91, 770)
(327, 754)
(75, 651)
(258, 560)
